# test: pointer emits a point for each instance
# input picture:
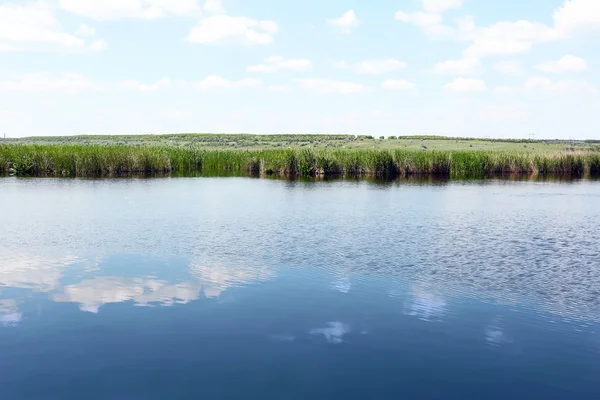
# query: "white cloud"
(375, 67)
(509, 67)
(98, 45)
(577, 16)
(518, 37)
(176, 115)
(8, 47)
(138, 9)
(136, 85)
(441, 6)
(212, 82)
(220, 28)
(537, 82)
(372, 67)
(32, 26)
(505, 113)
(546, 85)
(420, 19)
(340, 64)
(376, 114)
(214, 7)
(44, 82)
(227, 29)
(508, 38)
(464, 66)
(568, 63)
(505, 89)
(85, 30)
(430, 23)
(325, 86)
(279, 88)
(276, 63)
(399, 84)
(346, 23)
(465, 85)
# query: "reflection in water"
(504, 241)
(216, 279)
(91, 294)
(27, 271)
(333, 332)
(9, 313)
(44, 274)
(494, 333)
(342, 284)
(450, 251)
(282, 338)
(426, 306)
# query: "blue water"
(232, 288)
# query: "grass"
(340, 156)
(317, 142)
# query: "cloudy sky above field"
(387, 67)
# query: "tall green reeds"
(110, 160)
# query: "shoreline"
(111, 160)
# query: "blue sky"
(451, 67)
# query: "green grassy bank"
(112, 159)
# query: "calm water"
(241, 288)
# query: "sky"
(484, 68)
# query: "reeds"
(111, 160)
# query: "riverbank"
(112, 159)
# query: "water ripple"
(513, 242)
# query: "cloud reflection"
(44, 274)
(494, 333)
(333, 332)
(426, 306)
(9, 313)
(342, 284)
(282, 338)
(39, 273)
(93, 293)
(218, 278)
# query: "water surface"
(247, 288)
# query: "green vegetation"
(265, 142)
(293, 155)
